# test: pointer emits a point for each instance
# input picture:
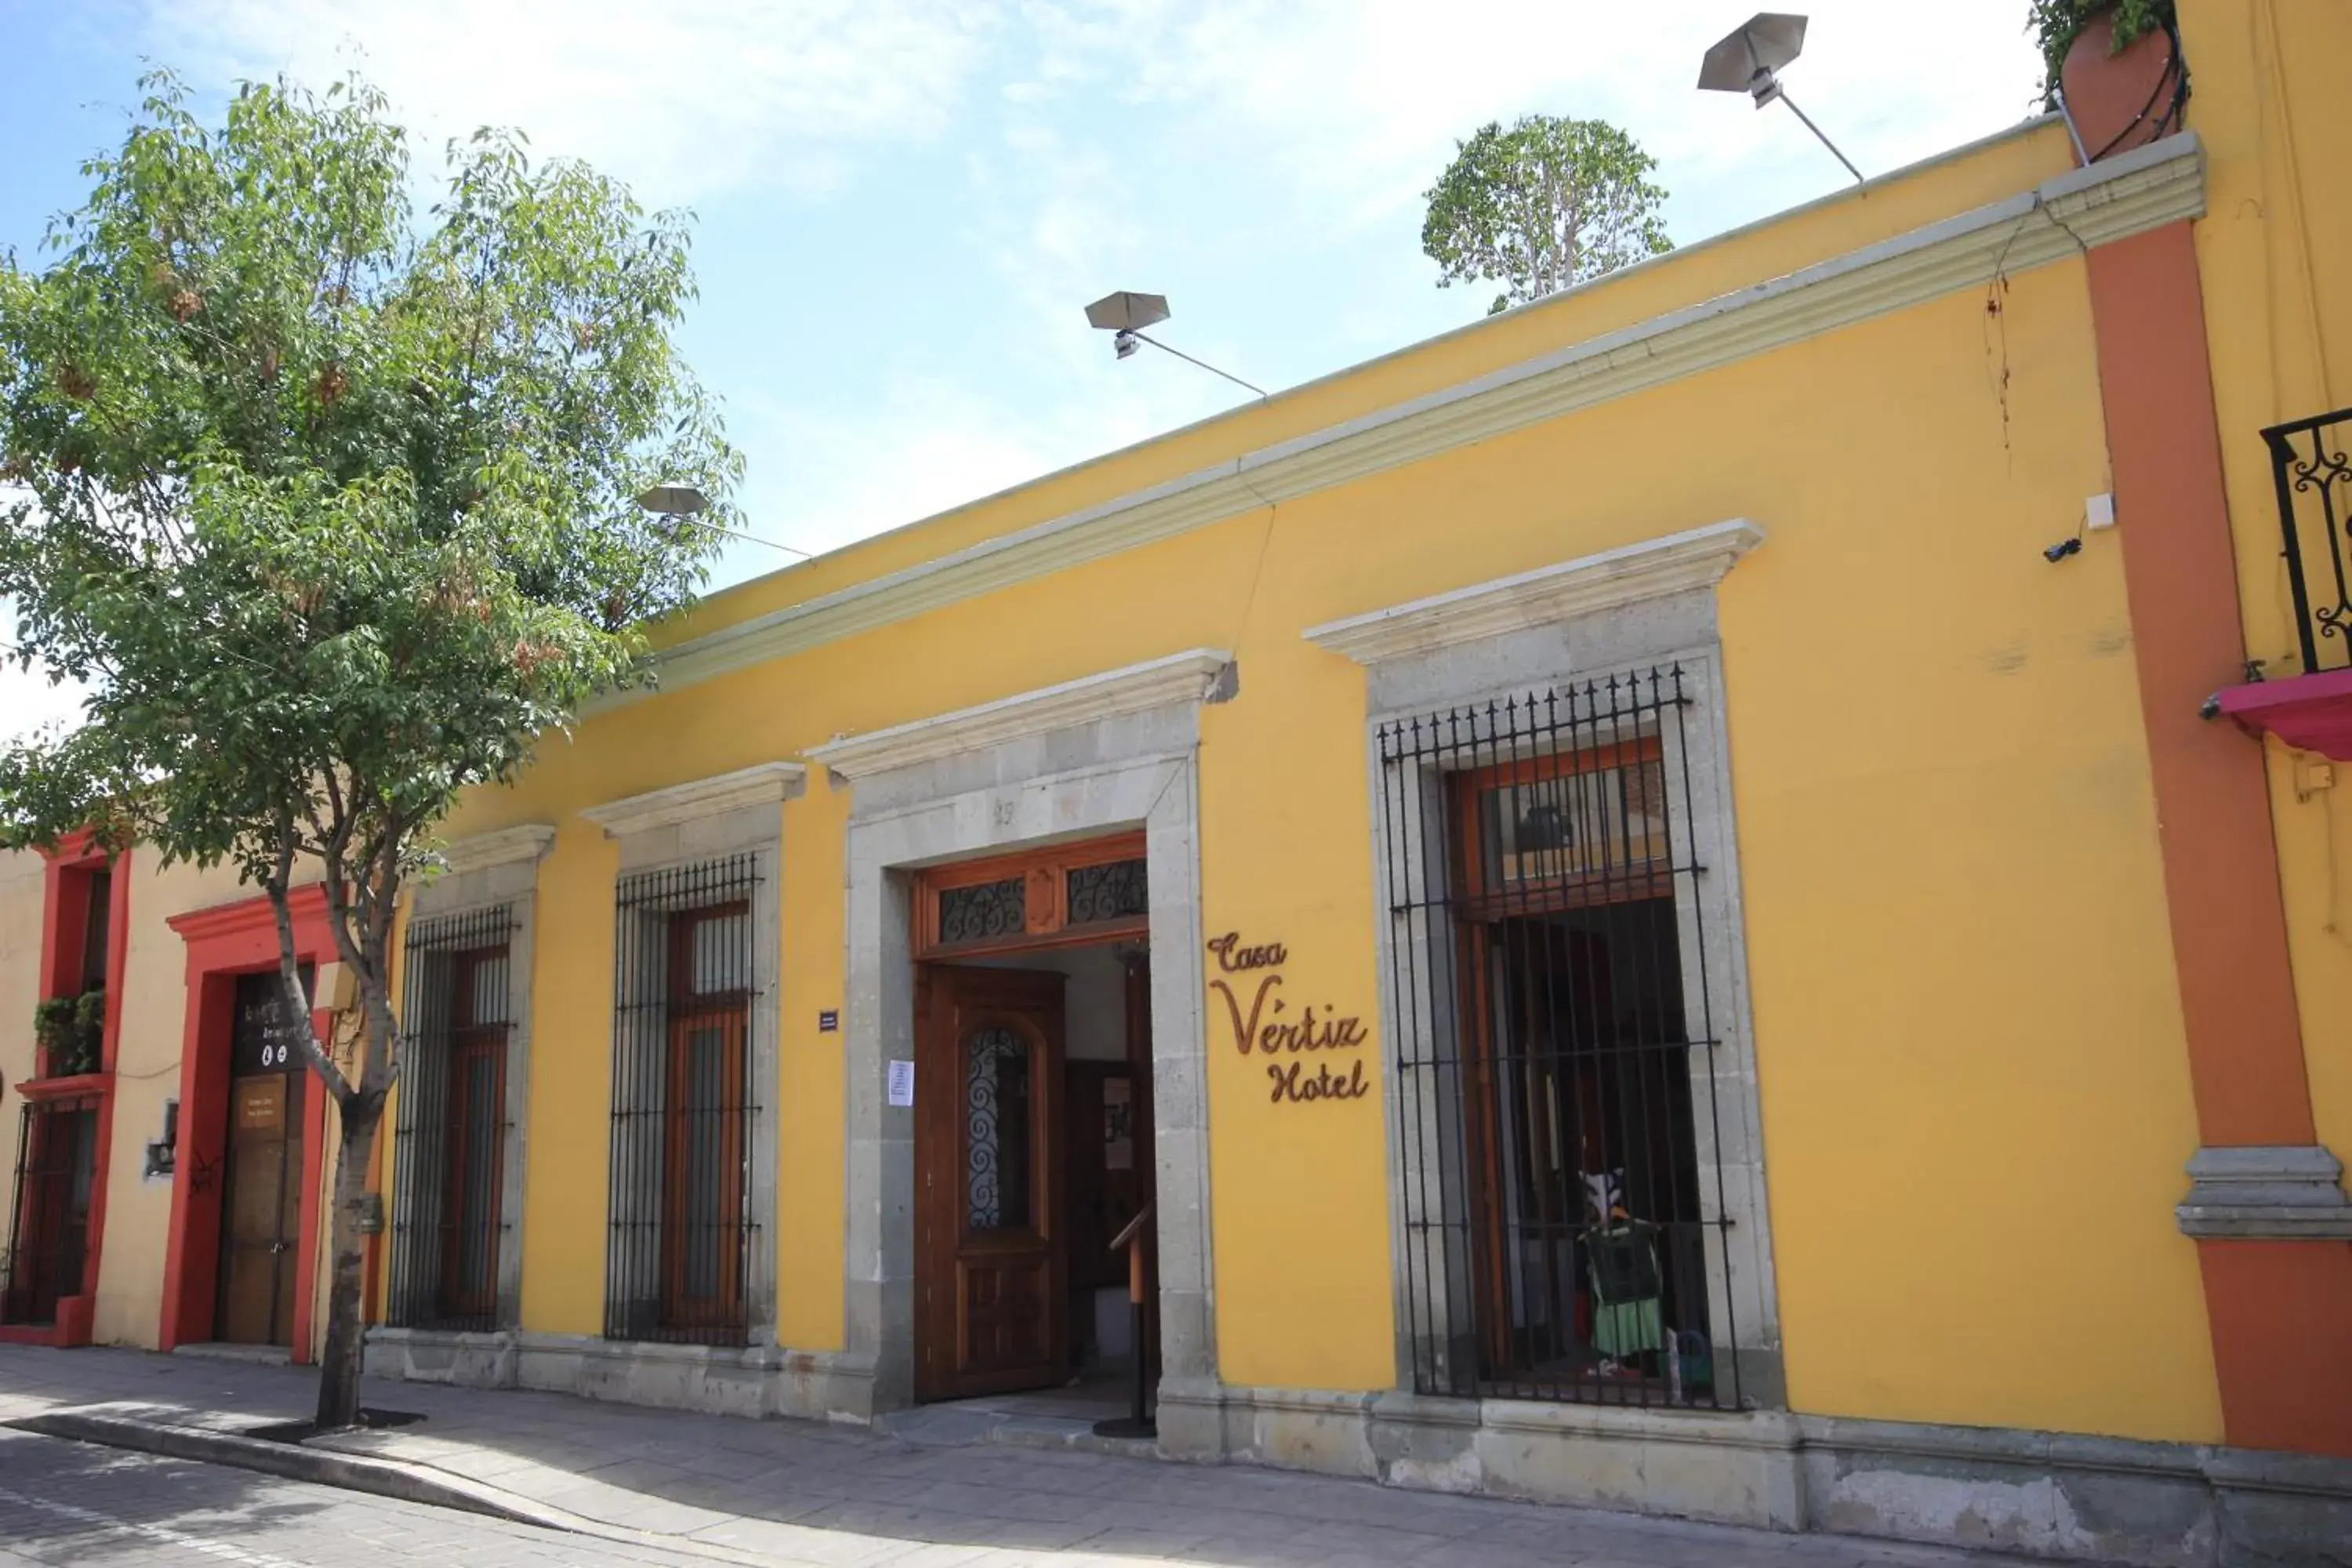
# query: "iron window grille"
(2312, 469)
(449, 1226)
(48, 1235)
(679, 1257)
(1564, 1229)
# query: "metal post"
(1137, 1422)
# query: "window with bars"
(449, 1141)
(48, 1235)
(680, 1252)
(1564, 1211)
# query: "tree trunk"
(339, 1363)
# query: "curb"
(399, 1479)
(291, 1461)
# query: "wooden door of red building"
(261, 1208)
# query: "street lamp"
(680, 502)
(1126, 314)
(674, 500)
(1748, 60)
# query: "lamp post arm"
(1204, 364)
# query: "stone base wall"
(2040, 1494)
(713, 1380)
(2054, 1495)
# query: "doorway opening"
(1033, 1131)
(261, 1205)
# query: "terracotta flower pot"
(2121, 100)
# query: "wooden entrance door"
(261, 1203)
(991, 1258)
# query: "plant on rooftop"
(332, 511)
(1544, 206)
(2056, 25)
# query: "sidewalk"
(801, 1493)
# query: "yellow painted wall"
(2271, 105)
(1974, 1085)
(1974, 1088)
(570, 1094)
(811, 1087)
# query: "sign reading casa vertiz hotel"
(1262, 1026)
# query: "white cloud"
(1260, 160)
(1362, 99)
(1359, 100)
(682, 99)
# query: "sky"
(902, 206)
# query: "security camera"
(2059, 551)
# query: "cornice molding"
(306, 904)
(1185, 677)
(761, 785)
(529, 841)
(1697, 558)
(2146, 188)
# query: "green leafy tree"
(331, 508)
(1542, 206)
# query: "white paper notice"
(902, 1083)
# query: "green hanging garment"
(1627, 1316)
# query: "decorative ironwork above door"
(1094, 890)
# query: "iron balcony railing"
(2310, 463)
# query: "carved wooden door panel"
(991, 1258)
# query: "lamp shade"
(1124, 311)
(1766, 42)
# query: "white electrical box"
(2099, 510)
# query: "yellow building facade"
(1633, 925)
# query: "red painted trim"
(81, 1086)
(55, 885)
(118, 958)
(2282, 1316)
(64, 923)
(223, 942)
(2280, 1312)
(2212, 794)
(68, 1332)
(243, 923)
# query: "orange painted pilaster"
(2213, 807)
(2280, 1310)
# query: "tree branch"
(289, 974)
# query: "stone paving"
(69, 1505)
(806, 1493)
